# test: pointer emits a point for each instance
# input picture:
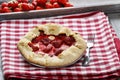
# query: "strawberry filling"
(45, 45)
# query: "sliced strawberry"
(30, 44)
(69, 40)
(39, 38)
(57, 43)
(35, 48)
(58, 51)
(48, 48)
(4, 4)
(61, 36)
(41, 46)
(46, 41)
(36, 39)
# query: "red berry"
(69, 40)
(0, 10)
(13, 4)
(48, 48)
(56, 43)
(23, 1)
(31, 6)
(34, 3)
(58, 51)
(25, 7)
(68, 4)
(19, 1)
(34, 0)
(6, 10)
(61, 36)
(48, 5)
(30, 44)
(56, 5)
(62, 1)
(38, 8)
(41, 2)
(4, 4)
(17, 9)
(53, 1)
(45, 41)
(36, 40)
(35, 48)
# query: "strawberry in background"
(25, 5)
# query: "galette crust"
(65, 58)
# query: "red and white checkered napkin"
(104, 58)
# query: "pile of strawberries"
(25, 5)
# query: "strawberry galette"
(52, 45)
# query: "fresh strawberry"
(31, 6)
(62, 1)
(38, 8)
(34, 3)
(23, 1)
(4, 4)
(34, 0)
(6, 10)
(53, 1)
(68, 4)
(25, 6)
(17, 9)
(0, 10)
(13, 4)
(41, 2)
(56, 5)
(48, 5)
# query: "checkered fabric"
(104, 58)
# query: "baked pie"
(52, 45)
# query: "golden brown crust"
(65, 58)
